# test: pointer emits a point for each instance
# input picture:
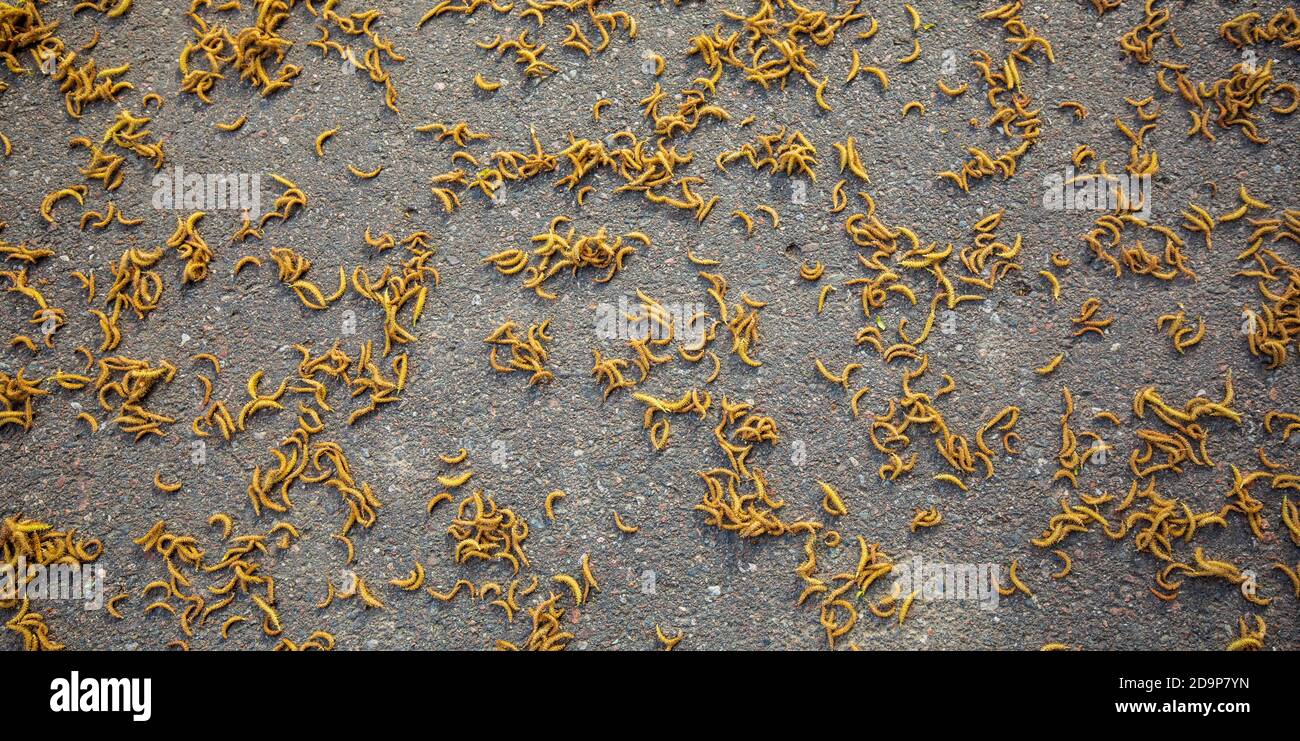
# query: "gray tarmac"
(724, 593)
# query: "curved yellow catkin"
(574, 587)
(1051, 365)
(1079, 109)
(110, 606)
(224, 520)
(1249, 200)
(1015, 579)
(323, 137)
(696, 259)
(658, 62)
(209, 358)
(329, 596)
(948, 478)
(549, 504)
(1292, 574)
(926, 518)
(413, 581)
(855, 66)
(907, 605)
(623, 526)
(231, 622)
(717, 367)
(366, 597)
(588, 577)
(1056, 283)
(1066, 565)
(746, 219)
(235, 125)
(951, 91)
(857, 397)
(244, 262)
(1249, 640)
(347, 542)
(914, 55)
(460, 479)
(364, 174)
(170, 488)
(458, 457)
(832, 503)
(483, 83)
(669, 642)
(821, 297)
(90, 421)
(880, 75)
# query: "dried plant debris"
(830, 345)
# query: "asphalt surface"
(724, 593)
